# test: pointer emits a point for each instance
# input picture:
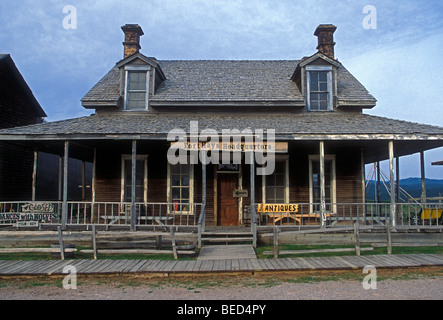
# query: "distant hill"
(411, 186)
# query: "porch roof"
(338, 128)
(294, 126)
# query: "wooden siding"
(348, 176)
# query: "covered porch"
(318, 183)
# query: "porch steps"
(227, 237)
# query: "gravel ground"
(423, 285)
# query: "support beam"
(322, 185)
(204, 191)
(423, 177)
(94, 168)
(378, 190)
(83, 180)
(65, 185)
(133, 185)
(60, 178)
(363, 181)
(253, 223)
(252, 179)
(392, 183)
(397, 173)
(34, 175)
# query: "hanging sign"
(276, 147)
(272, 207)
(32, 211)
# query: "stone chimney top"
(325, 35)
(132, 39)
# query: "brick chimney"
(132, 39)
(325, 35)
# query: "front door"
(227, 204)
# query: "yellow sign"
(268, 207)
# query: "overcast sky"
(398, 62)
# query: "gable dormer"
(316, 75)
(140, 75)
(323, 81)
(131, 83)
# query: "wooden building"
(311, 108)
(18, 107)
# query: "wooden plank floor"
(55, 267)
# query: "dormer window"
(137, 87)
(319, 83)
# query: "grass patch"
(378, 250)
(79, 256)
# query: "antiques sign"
(32, 211)
(266, 208)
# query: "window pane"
(185, 193)
(136, 100)
(185, 180)
(322, 76)
(314, 77)
(137, 80)
(323, 86)
(175, 180)
(175, 194)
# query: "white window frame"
(145, 184)
(278, 158)
(128, 69)
(327, 69)
(330, 158)
(191, 191)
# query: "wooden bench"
(295, 216)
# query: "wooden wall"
(348, 175)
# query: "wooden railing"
(99, 213)
(414, 215)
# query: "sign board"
(27, 224)
(275, 207)
(240, 193)
(29, 212)
(277, 147)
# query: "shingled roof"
(293, 126)
(252, 82)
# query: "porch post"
(94, 168)
(397, 173)
(253, 213)
(423, 177)
(204, 190)
(363, 181)
(322, 185)
(133, 177)
(378, 191)
(83, 181)
(60, 178)
(65, 185)
(252, 180)
(34, 174)
(392, 183)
